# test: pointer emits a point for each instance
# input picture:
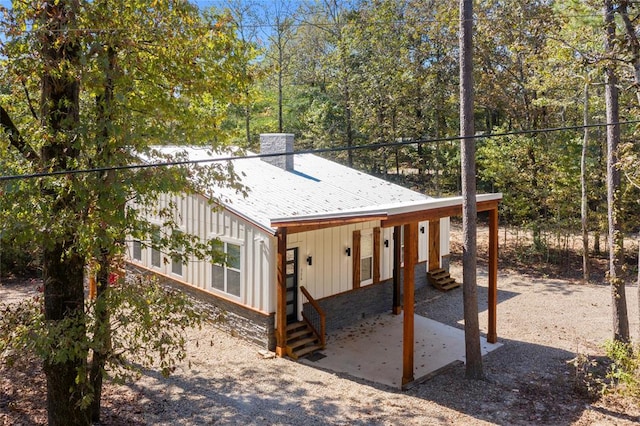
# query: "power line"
(373, 146)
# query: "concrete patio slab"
(372, 349)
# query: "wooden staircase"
(441, 279)
(301, 340)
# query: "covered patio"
(348, 351)
(402, 217)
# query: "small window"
(176, 266)
(137, 250)
(155, 249)
(176, 261)
(366, 257)
(226, 276)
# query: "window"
(155, 250)
(176, 266)
(137, 250)
(366, 257)
(176, 261)
(226, 276)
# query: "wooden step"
(307, 350)
(296, 325)
(441, 279)
(301, 340)
(436, 273)
(298, 333)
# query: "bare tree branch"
(15, 138)
(26, 93)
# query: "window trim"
(366, 233)
(226, 267)
(155, 234)
(136, 248)
(179, 263)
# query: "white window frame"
(178, 264)
(136, 249)
(366, 253)
(155, 233)
(226, 268)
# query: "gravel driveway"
(542, 323)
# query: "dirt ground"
(545, 317)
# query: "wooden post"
(397, 244)
(434, 244)
(355, 258)
(376, 254)
(281, 294)
(492, 334)
(410, 259)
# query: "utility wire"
(372, 146)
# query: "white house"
(313, 240)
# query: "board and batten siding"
(196, 216)
(331, 271)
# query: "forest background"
(383, 75)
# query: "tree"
(245, 21)
(615, 241)
(103, 97)
(279, 33)
(469, 211)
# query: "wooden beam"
(281, 293)
(410, 259)
(492, 334)
(432, 214)
(434, 244)
(355, 258)
(397, 245)
(376, 254)
(404, 218)
(313, 225)
(485, 206)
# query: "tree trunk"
(63, 300)
(280, 30)
(474, 368)
(247, 117)
(101, 342)
(63, 268)
(615, 240)
(583, 185)
(101, 336)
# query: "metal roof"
(316, 188)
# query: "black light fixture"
(386, 243)
(348, 251)
(309, 260)
(422, 229)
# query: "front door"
(292, 285)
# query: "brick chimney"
(278, 143)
